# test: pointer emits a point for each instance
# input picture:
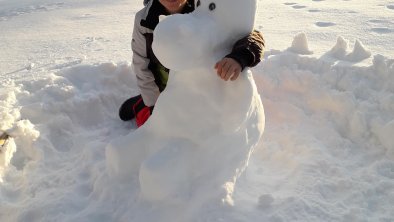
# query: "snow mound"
(59, 126)
(20, 133)
(300, 45)
(359, 52)
(358, 100)
(7, 150)
(339, 51)
(328, 136)
(343, 153)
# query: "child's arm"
(247, 52)
(145, 78)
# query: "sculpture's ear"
(211, 6)
(162, 17)
(198, 3)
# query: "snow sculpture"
(203, 129)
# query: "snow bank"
(327, 154)
(58, 125)
(358, 100)
(14, 128)
(327, 151)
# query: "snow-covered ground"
(327, 153)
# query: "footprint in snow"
(298, 6)
(324, 24)
(382, 30)
(377, 21)
(30, 9)
(382, 23)
(294, 5)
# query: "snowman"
(203, 129)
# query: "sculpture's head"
(184, 41)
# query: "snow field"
(326, 155)
(327, 151)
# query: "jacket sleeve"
(249, 50)
(145, 78)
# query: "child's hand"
(228, 67)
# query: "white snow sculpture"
(203, 129)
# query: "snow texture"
(327, 152)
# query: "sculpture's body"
(203, 129)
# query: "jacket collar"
(157, 9)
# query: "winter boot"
(141, 112)
(126, 111)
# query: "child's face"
(173, 6)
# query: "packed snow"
(326, 82)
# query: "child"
(152, 76)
